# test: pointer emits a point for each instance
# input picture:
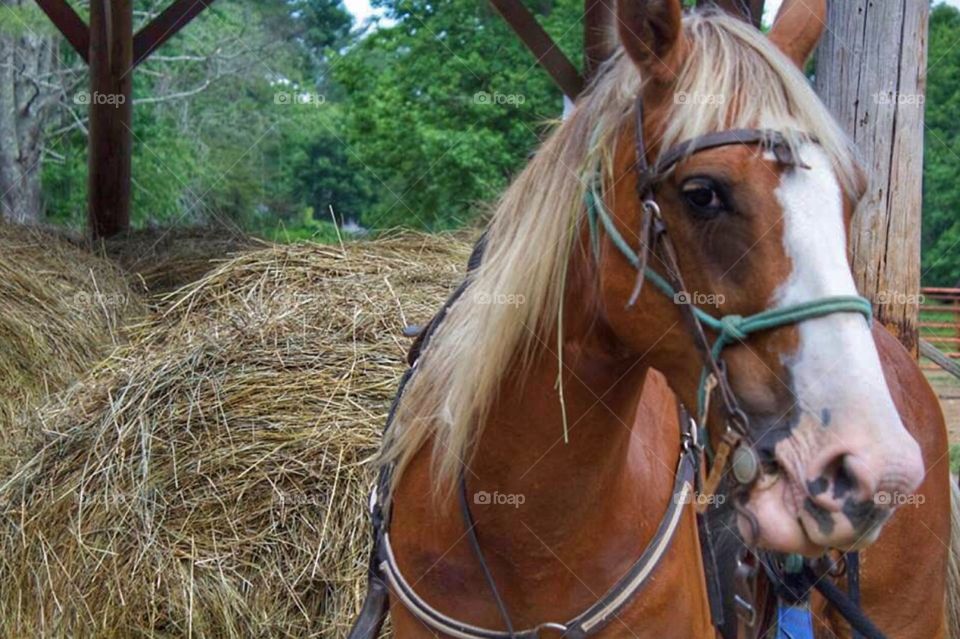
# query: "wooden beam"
(111, 110)
(749, 10)
(165, 26)
(71, 25)
(547, 53)
(871, 74)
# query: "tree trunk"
(871, 72)
(27, 59)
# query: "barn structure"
(858, 74)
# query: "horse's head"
(757, 228)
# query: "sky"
(362, 10)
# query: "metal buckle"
(745, 581)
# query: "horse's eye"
(703, 196)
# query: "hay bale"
(61, 309)
(211, 480)
(163, 260)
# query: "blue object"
(794, 622)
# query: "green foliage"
(23, 18)
(941, 186)
(418, 122)
(446, 104)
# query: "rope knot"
(731, 328)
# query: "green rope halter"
(729, 328)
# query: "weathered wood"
(750, 10)
(547, 53)
(939, 358)
(871, 72)
(71, 25)
(165, 26)
(111, 137)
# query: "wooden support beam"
(871, 74)
(71, 25)
(165, 26)
(749, 10)
(547, 53)
(111, 110)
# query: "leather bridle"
(736, 446)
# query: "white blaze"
(836, 367)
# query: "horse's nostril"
(842, 477)
(843, 481)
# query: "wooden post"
(111, 110)
(871, 72)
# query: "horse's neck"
(559, 523)
(522, 452)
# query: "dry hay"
(61, 308)
(211, 480)
(163, 260)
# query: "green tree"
(941, 179)
(445, 104)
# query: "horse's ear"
(650, 31)
(798, 28)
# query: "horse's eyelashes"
(705, 197)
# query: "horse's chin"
(783, 525)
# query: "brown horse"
(538, 384)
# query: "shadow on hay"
(162, 260)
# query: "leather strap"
(594, 618)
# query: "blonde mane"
(530, 238)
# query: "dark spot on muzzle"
(864, 515)
(818, 485)
(822, 517)
(825, 417)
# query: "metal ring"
(651, 205)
